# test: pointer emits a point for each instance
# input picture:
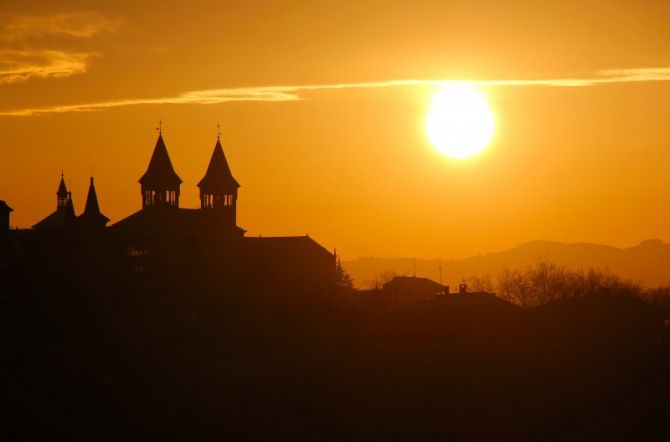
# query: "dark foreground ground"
(164, 362)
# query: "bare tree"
(545, 282)
(481, 283)
(378, 282)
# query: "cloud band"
(300, 92)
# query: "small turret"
(218, 188)
(160, 183)
(64, 215)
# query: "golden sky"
(322, 108)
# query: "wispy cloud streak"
(16, 66)
(44, 46)
(72, 24)
(301, 92)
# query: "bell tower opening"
(160, 183)
(218, 188)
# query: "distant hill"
(647, 262)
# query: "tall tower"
(92, 217)
(218, 188)
(160, 183)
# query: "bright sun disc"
(460, 122)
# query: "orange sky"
(83, 87)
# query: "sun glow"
(460, 122)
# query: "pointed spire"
(92, 205)
(218, 179)
(160, 174)
(92, 215)
(62, 188)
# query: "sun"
(460, 122)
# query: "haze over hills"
(647, 263)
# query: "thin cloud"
(301, 92)
(16, 66)
(27, 44)
(75, 24)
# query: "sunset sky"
(322, 107)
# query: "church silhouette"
(164, 240)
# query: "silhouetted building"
(411, 288)
(166, 241)
(5, 210)
(63, 216)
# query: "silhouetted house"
(288, 260)
(63, 216)
(411, 289)
(5, 210)
(92, 218)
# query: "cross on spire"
(160, 127)
(218, 131)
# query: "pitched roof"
(92, 214)
(160, 174)
(412, 283)
(218, 178)
(181, 221)
(3, 205)
(287, 245)
(62, 217)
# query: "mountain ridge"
(647, 263)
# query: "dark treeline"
(183, 360)
(545, 282)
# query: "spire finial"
(160, 127)
(218, 131)
(62, 174)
